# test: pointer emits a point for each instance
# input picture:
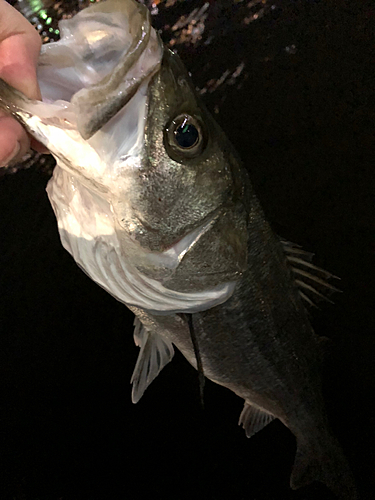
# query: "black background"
(302, 119)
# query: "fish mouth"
(105, 53)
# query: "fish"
(154, 205)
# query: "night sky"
(292, 86)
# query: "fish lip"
(138, 55)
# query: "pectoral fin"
(254, 419)
(155, 353)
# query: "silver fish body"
(155, 206)
(249, 344)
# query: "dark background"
(301, 115)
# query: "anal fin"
(254, 419)
(156, 352)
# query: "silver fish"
(155, 206)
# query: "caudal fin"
(325, 462)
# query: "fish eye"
(184, 137)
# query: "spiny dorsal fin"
(254, 419)
(155, 353)
(312, 281)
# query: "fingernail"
(7, 161)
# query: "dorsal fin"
(254, 419)
(312, 281)
(155, 353)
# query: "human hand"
(19, 50)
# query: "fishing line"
(197, 357)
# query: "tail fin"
(323, 461)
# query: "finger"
(38, 146)
(19, 51)
(14, 142)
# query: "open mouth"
(104, 54)
(94, 83)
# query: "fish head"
(146, 167)
(186, 197)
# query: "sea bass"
(155, 206)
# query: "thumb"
(19, 51)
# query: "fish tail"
(323, 461)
